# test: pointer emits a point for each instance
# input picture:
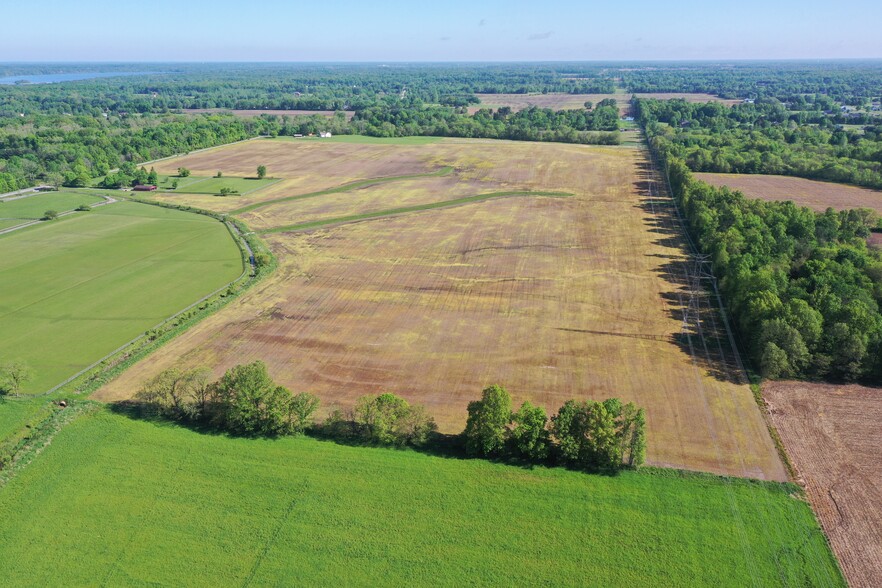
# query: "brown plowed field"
(554, 298)
(577, 101)
(812, 193)
(379, 197)
(833, 435)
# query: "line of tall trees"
(803, 287)
(587, 435)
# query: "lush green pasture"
(15, 411)
(116, 501)
(33, 207)
(214, 185)
(88, 284)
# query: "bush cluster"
(589, 435)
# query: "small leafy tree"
(219, 174)
(183, 172)
(390, 420)
(174, 185)
(153, 177)
(84, 208)
(302, 408)
(261, 172)
(13, 375)
(529, 437)
(50, 215)
(586, 435)
(488, 421)
(249, 402)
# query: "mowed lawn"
(78, 288)
(33, 207)
(115, 501)
(215, 185)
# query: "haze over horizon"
(346, 31)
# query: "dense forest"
(770, 137)
(803, 287)
(167, 87)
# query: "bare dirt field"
(814, 194)
(577, 296)
(833, 435)
(576, 101)
(256, 113)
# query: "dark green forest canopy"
(803, 287)
(805, 138)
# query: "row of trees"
(803, 287)
(587, 435)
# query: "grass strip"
(344, 188)
(404, 209)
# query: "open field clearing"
(33, 207)
(812, 193)
(553, 297)
(214, 186)
(119, 501)
(832, 435)
(88, 284)
(254, 113)
(577, 101)
(375, 197)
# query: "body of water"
(68, 77)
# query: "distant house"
(144, 188)
(628, 119)
(749, 100)
(298, 134)
(325, 134)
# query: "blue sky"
(447, 30)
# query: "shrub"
(388, 419)
(50, 215)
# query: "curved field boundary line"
(248, 270)
(344, 188)
(405, 209)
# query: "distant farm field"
(127, 502)
(576, 101)
(80, 287)
(33, 207)
(833, 435)
(812, 193)
(568, 284)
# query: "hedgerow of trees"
(803, 287)
(586, 435)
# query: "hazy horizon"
(456, 31)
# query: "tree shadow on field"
(690, 301)
(441, 445)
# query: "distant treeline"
(803, 288)
(60, 149)
(846, 82)
(767, 138)
(291, 86)
(588, 435)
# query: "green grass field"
(14, 411)
(87, 284)
(115, 501)
(33, 207)
(242, 186)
